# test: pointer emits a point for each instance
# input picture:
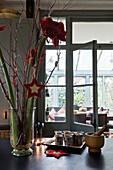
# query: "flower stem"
(31, 104)
(25, 90)
(8, 82)
(11, 97)
(29, 118)
(42, 43)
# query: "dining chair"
(80, 118)
(102, 119)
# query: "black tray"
(70, 149)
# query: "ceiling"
(68, 4)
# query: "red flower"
(2, 28)
(53, 30)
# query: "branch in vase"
(17, 45)
(51, 8)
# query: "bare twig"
(51, 8)
(56, 64)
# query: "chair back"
(80, 118)
(102, 119)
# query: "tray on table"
(71, 149)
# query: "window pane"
(58, 76)
(82, 86)
(79, 80)
(82, 66)
(55, 103)
(83, 96)
(109, 92)
(51, 57)
(83, 32)
(56, 100)
(99, 85)
(83, 103)
(99, 82)
(61, 80)
(79, 96)
(105, 60)
(105, 71)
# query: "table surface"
(39, 161)
(109, 117)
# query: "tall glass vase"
(21, 133)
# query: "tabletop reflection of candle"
(39, 141)
(40, 150)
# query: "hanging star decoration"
(55, 153)
(34, 88)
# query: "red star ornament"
(55, 153)
(34, 88)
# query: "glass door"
(73, 84)
(55, 113)
(84, 87)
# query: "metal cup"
(59, 139)
(78, 139)
(68, 139)
(58, 132)
(66, 132)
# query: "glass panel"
(105, 60)
(83, 32)
(105, 72)
(61, 19)
(55, 103)
(83, 96)
(82, 66)
(109, 92)
(79, 96)
(82, 86)
(83, 104)
(99, 82)
(61, 81)
(58, 76)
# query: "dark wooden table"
(39, 161)
(109, 117)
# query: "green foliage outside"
(79, 96)
(62, 97)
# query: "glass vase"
(21, 133)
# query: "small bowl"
(95, 143)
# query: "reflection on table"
(40, 161)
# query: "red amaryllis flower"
(53, 30)
(2, 28)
